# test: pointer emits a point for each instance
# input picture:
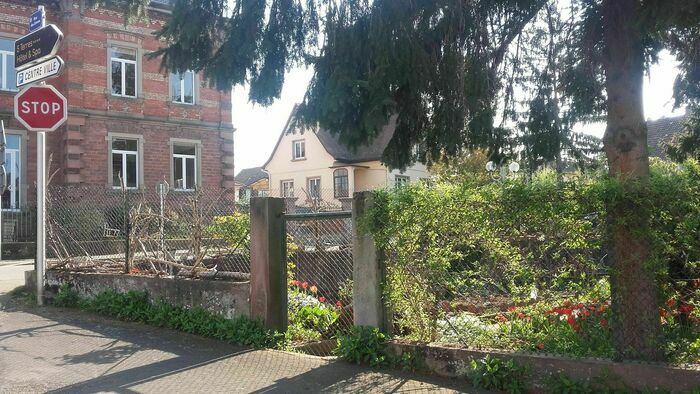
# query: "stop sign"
(41, 108)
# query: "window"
(123, 77)
(125, 163)
(401, 180)
(13, 172)
(182, 87)
(341, 188)
(185, 167)
(287, 188)
(314, 188)
(8, 78)
(299, 150)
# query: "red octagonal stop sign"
(41, 108)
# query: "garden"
(522, 264)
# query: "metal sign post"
(40, 109)
(40, 215)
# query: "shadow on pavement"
(120, 362)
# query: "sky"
(258, 128)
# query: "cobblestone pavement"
(46, 349)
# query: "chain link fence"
(197, 233)
(320, 264)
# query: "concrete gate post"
(368, 271)
(268, 265)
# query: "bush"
(233, 229)
(67, 297)
(453, 248)
(362, 345)
(136, 306)
(495, 373)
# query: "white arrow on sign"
(44, 70)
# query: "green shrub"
(529, 241)
(136, 306)
(233, 229)
(495, 373)
(362, 345)
(67, 297)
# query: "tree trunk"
(636, 324)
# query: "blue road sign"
(37, 20)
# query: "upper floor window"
(341, 187)
(401, 180)
(182, 87)
(287, 188)
(125, 163)
(8, 79)
(123, 72)
(299, 150)
(185, 167)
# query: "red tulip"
(322, 299)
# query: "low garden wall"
(230, 299)
(454, 363)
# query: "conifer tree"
(464, 75)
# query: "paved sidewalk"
(12, 273)
(57, 350)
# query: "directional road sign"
(39, 72)
(37, 46)
(41, 108)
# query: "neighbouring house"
(315, 171)
(251, 182)
(128, 120)
(661, 131)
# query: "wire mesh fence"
(319, 248)
(199, 233)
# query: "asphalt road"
(47, 349)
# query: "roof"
(662, 130)
(371, 152)
(339, 151)
(248, 176)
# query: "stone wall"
(454, 363)
(228, 298)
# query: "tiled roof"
(371, 152)
(248, 176)
(662, 130)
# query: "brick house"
(128, 120)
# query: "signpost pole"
(40, 216)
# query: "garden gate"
(319, 274)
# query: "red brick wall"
(80, 149)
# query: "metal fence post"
(368, 271)
(268, 265)
(127, 230)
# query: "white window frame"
(401, 180)
(184, 159)
(182, 89)
(14, 186)
(124, 62)
(283, 190)
(4, 59)
(317, 180)
(124, 154)
(302, 151)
